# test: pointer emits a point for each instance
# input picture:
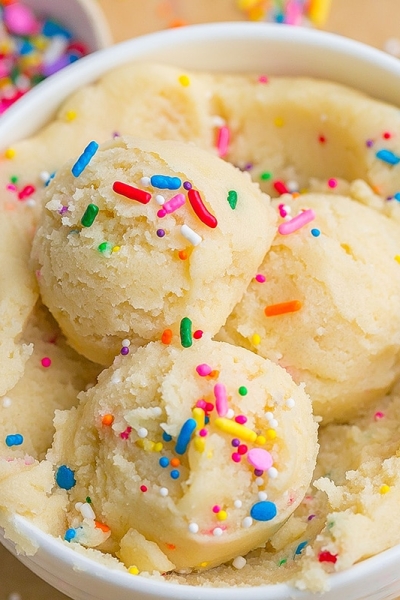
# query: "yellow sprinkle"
(279, 122)
(70, 115)
(199, 417)
(199, 444)
(384, 488)
(203, 564)
(40, 42)
(158, 446)
(210, 454)
(133, 570)
(271, 434)
(116, 249)
(222, 515)
(256, 14)
(260, 440)
(10, 153)
(246, 4)
(236, 429)
(397, 258)
(318, 11)
(184, 80)
(256, 339)
(146, 445)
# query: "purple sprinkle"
(116, 134)
(369, 143)
(124, 350)
(258, 472)
(63, 210)
(160, 232)
(235, 442)
(311, 517)
(187, 185)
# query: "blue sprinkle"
(163, 182)
(65, 477)
(15, 439)
(69, 535)
(206, 420)
(51, 28)
(163, 462)
(166, 437)
(175, 474)
(263, 511)
(50, 178)
(397, 196)
(300, 548)
(315, 232)
(185, 435)
(388, 156)
(84, 159)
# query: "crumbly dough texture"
(307, 134)
(152, 396)
(139, 285)
(345, 326)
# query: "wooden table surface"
(370, 21)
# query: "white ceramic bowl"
(235, 47)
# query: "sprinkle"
(242, 419)
(175, 462)
(332, 182)
(233, 428)
(221, 399)
(238, 504)
(247, 522)
(187, 185)
(200, 210)
(297, 222)
(166, 336)
(300, 547)
(280, 187)
(242, 390)
(166, 437)
(260, 459)
(282, 308)
(143, 488)
(242, 449)
(164, 182)
(160, 199)
(326, 556)
(133, 193)
(86, 511)
(89, 215)
(193, 528)
(104, 247)
(271, 434)
(105, 528)
(263, 79)
(265, 176)
(124, 435)
(182, 254)
(272, 473)
(164, 492)
(171, 205)
(163, 462)
(321, 139)
(199, 417)
(384, 489)
(184, 80)
(239, 562)
(124, 351)
(315, 232)
(160, 233)
(84, 159)
(223, 136)
(15, 439)
(107, 420)
(65, 477)
(283, 561)
(142, 432)
(260, 440)
(217, 531)
(263, 511)
(236, 457)
(388, 156)
(203, 370)
(145, 181)
(10, 153)
(69, 535)
(194, 238)
(232, 199)
(379, 415)
(198, 334)
(175, 474)
(262, 496)
(26, 191)
(184, 436)
(6, 402)
(260, 278)
(185, 332)
(133, 570)
(279, 122)
(46, 362)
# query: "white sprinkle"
(272, 473)
(142, 432)
(145, 181)
(160, 199)
(30, 202)
(125, 343)
(273, 423)
(230, 413)
(218, 121)
(238, 504)
(194, 238)
(292, 186)
(193, 528)
(44, 176)
(87, 511)
(269, 416)
(290, 402)
(116, 378)
(247, 522)
(239, 562)
(218, 532)
(164, 492)
(7, 401)
(259, 481)
(262, 496)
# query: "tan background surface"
(370, 21)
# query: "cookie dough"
(165, 242)
(205, 451)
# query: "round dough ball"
(204, 451)
(343, 340)
(134, 271)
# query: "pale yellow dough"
(155, 391)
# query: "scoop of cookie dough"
(328, 309)
(146, 234)
(204, 451)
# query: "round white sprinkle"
(30, 202)
(290, 403)
(262, 496)
(218, 531)
(194, 238)
(269, 415)
(115, 378)
(160, 199)
(247, 522)
(292, 186)
(142, 432)
(44, 176)
(7, 401)
(164, 492)
(239, 562)
(125, 343)
(230, 413)
(273, 423)
(87, 511)
(238, 504)
(193, 528)
(259, 481)
(145, 181)
(272, 473)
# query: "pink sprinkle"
(221, 399)
(236, 457)
(11, 187)
(223, 140)
(216, 508)
(201, 404)
(209, 406)
(263, 79)
(20, 20)
(297, 222)
(332, 183)
(242, 449)
(280, 187)
(125, 434)
(282, 210)
(143, 488)
(260, 278)
(46, 362)
(260, 459)
(171, 206)
(203, 370)
(27, 191)
(203, 432)
(241, 419)
(379, 415)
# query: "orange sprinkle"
(177, 23)
(182, 254)
(107, 419)
(283, 307)
(102, 526)
(171, 546)
(166, 337)
(213, 374)
(175, 462)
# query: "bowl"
(229, 47)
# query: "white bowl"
(234, 47)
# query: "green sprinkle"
(266, 175)
(89, 215)
(330, 524)
(14, 179)
(232, 199)
(89, 500)
(283, 561)
(104, 247)
(242, 390)
(186, 332)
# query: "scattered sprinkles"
(297, 222)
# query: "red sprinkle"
(280, 187)
(124, 189)
(326, 556)
(143, 488)
(201, 212)
(27, 191)
(322, 139)
(387, 135)
(198, 334)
